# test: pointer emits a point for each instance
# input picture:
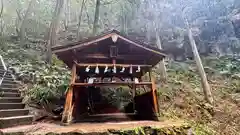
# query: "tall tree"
(158, 26)
(80, 19)
(205, 84)
(24, 21)
(53, 29)
(1, 15)
(96, 17)
(163, 69)
(67, 14)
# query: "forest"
(30, 28)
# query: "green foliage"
(175, 130)
(48, 81)
(201, 129)
(226, 65)
(51, 82)
(179, 72)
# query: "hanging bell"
(87, 68)
(139, 69)
(114, 69)
(97, 70)
(131, 70)
(106, 69)
(123, 69)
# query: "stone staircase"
(12, 110)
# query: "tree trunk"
(1, 15)
(24, 21)
(96, 18)
(53, 29)
(80, 20)
(67, 14)
(205, 85)
(162, 66)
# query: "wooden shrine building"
(110, 55)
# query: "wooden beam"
(68, 107)
(110, 65)
(79, 45)
(112, 83)
(106, 56)
(96, 56)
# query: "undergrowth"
(181, 97)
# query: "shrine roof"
(138, 52)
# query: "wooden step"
(4, 106)
(10, 99)
(13, 112)
(9, 94)
(9, 90)
(15, 121)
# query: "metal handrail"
(4, 68)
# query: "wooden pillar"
(68, 107)
(133, 96)
(154, 94)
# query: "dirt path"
(43, 128)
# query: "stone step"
(5, 89)
(4, 106)
(9, 81)
(2, 72)
(10, 99)
(13, 112)
(9, 94)
(9, 90)
(9, 85)
(2, 69)
(6, 75)
(15, 121)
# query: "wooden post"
(133, 96)
(150, 75)
(154, 94)
(68, 108)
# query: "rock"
(180, 103)
(37, 113)
(209, 70)
(236, 76)
(236, 97)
